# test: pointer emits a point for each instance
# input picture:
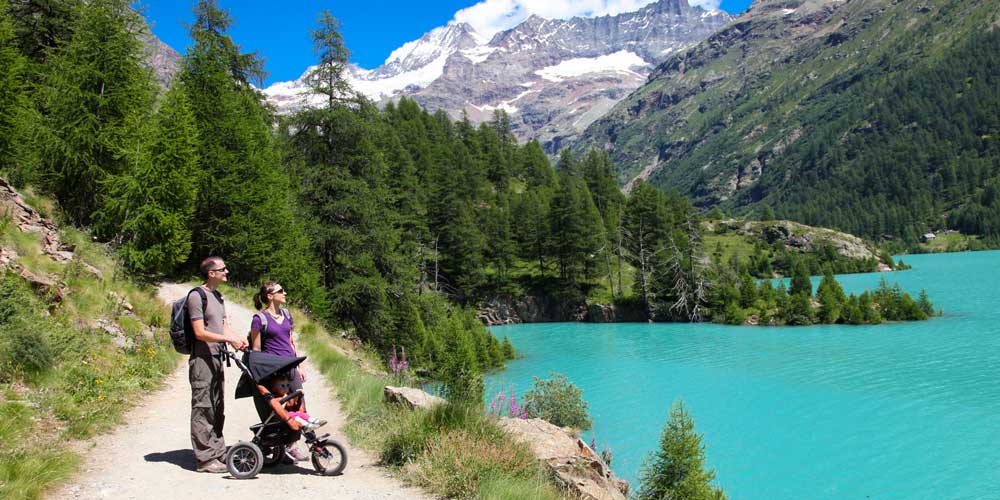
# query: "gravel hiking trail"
(149, 456)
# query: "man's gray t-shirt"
(214, 316)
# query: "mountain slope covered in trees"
(395, 223)
(875, 117)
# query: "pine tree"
(646, 222)
(96, 94)
(460, 371)
(567, 164)
(245, 203)
(535, 165)
(852, 311)
(676, 470)
(352, 223)
(149, 209)
(327, 78)
(500, 247)
(800, 284)
(799, 309)
(766, 213)
(13, 98)
(576, 230)
(531, 212)
(40, 26)
(869, 312)
(831, 298)
(925, 305)
(462, 246)
(599, 175)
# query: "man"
(205, 369)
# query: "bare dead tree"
(645, 256)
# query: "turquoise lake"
(893, 411)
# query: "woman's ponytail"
(260, 298)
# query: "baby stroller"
(270, 437)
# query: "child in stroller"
(263, 375)
(291, 412)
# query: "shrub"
(25, 350)
(557, 401)
(457, 461)
(413, 437)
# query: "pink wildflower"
(514, 409)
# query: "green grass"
(451, 451)
(732, 243)
(952, 242)
(61, 376)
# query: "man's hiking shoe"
(213, 467)
(295, 454)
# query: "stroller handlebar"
(230, 356)
(296, 394)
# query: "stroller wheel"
(244, 460)
(329, 458)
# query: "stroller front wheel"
(244, 460)
(329, 458)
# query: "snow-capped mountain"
(553, 77)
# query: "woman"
(271, 332)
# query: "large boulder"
(413, 398)
(573, 464)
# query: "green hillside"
(875, 117)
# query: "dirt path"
(149, 457)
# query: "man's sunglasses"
(220, 270)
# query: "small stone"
(122, 301)
(93, 270)
(123, 342)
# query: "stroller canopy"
(260, 366)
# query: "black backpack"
(181, 331)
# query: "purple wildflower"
(396, 363)
(514, 409)
(497, 402)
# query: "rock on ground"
(574, 465)
(413, 398)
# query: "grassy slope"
(759, 87)
(952, 242)
(453, 452)
(77, 383)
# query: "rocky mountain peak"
(438, 43)
(552, 76)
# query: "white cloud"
(491, 16)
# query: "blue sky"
(371, 28)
